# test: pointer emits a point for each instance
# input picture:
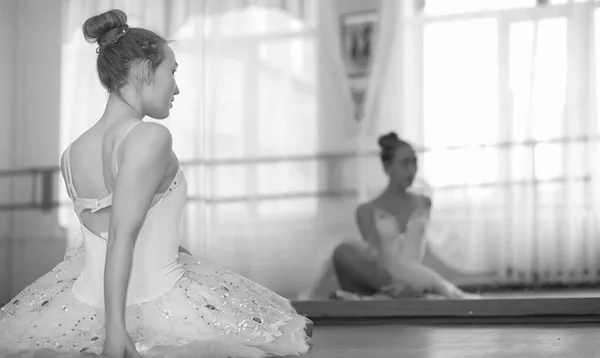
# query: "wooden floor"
(379, 340)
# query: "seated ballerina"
(129, 292)
(393, 227)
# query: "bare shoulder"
(150, 134)
(72, 151)
(147, 141)
(422, 201)
(364, 211)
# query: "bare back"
(93, 164)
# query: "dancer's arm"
(365, 221)
(146, 155)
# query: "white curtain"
(504, 104)
(245, 128)
(276, 163)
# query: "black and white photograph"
(204, 178)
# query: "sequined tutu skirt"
(209, 312)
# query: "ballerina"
(393, 226)
(130, 292)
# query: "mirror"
(504, 152)
(277, 130)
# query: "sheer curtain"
(258, 178)
(245, 126)
(503, 102)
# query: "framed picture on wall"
(358, 40)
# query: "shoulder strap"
(115, 159)
(81, 204)
(69, 176)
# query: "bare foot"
(454, 293)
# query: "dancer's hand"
(118, 344)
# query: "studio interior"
(309, 129)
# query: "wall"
(347, 6)
(8, 11)
(30, 32)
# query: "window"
(460, 101)
(507, 131)
(444, 7)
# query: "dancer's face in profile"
(160, 89)
(403, 167)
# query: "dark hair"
(388, 144)
(120, 47)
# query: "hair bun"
(96, 28)
(388, 140)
